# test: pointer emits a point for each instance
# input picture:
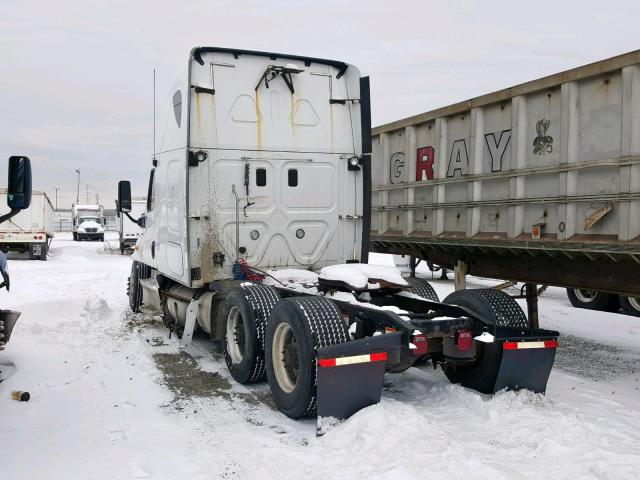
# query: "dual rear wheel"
(282, 350)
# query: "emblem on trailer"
(397, 167)
(543, 143)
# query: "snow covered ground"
(113, 398)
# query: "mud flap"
(8, 319)
(350, 376)
(525, 368)
(190, 323)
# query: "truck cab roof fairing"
(197, 52)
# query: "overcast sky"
(76, 76)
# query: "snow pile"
(360, 275)
(295, 279)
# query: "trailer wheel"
(247, 310)
(593, 300)
(630, 305)
(139, 271)
(493, 307)
(422, 288)
(297, 328)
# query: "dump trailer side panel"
(539, 182)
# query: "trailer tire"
(630, 305)
(139, 271)
(298, 327)
(247, 310)
(593, 300)
(422, 288)
(493, 307)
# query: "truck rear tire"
(630, 305)
(422, 288)
(495, 308)
(139, 271)
(247, 310)
(593, 300)
(297, 328)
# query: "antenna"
(154, 113)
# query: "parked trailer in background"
(264, 164)
(88, 222)
(129, 232)
(31, 230)
(538, 183)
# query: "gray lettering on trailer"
(497, 147)
(459, 159)
(397, 167)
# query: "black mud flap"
(8, 319)
(350, 376)
(525, 365)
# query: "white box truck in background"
(88, 222)
(31, 230)
(129, 232)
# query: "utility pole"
(78, 192)
(56, 190)
(87, 195)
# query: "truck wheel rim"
(235, 335)
(634, 302)
(586, 296)
(285, 358)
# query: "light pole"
(56, 190)
(78, 192)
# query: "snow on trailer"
(265, 167)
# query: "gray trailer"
(537, 183)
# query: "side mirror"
(19, 183)
(124, 196)
(142, 221)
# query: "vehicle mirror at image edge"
(142, 221)
(19, 183)
(124, 196)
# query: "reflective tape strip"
(524, 345)
(355, 359)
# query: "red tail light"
(422, 345)
(465, 340)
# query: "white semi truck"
(31, 230)
(257, 229)
(129, 232)
(88, 222)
